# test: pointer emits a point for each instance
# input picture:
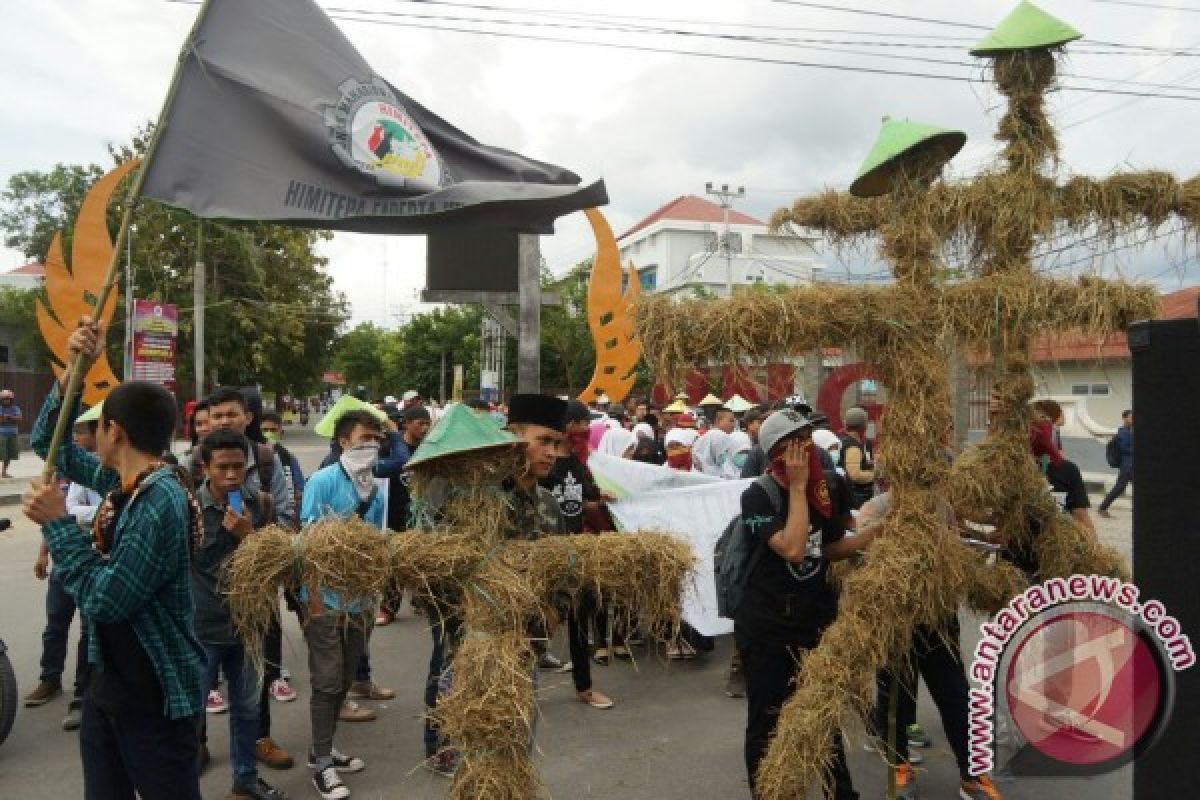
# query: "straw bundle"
(262, 563)
(347, 556)
(992, 586)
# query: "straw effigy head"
(1027, 27)
(901, 144)
(461, 430)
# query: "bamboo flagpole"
(75, 371)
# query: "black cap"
(576, 412)
(537, 409)
(414, 413)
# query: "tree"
(359, 356)
(568, 353)
(271, 312)
(36, 205)
(18, 314)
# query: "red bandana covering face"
(578, 442)
(679, 457)
(816, 490)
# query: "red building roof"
(33, 268)
(690, 208)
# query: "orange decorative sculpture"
(610, 318)
(71, 292)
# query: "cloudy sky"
(77, 74)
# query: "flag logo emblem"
(372, 133)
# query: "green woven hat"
(1026, 28)
(461, 430)
(344, 404)
(91, 415)
(900, 139)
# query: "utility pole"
(129, 303)
(529, 275)
(726, 198)
(198, 294)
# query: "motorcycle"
(8, 678)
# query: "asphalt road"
(673, 733)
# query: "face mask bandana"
(816, 489)
(359, 463)
(578, 442)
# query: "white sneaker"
(329, 784)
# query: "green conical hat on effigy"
(345, 403)
(1026, 28)
(461, 430)
(899, 138)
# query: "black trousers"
(938, 660)
(136, 751)
(1124, 476)
(770, 670)
(579, 621)
(272, 671)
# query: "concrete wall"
(1064, 380)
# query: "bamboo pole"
(75, 371)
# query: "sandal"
(622, 652)
(601, 656)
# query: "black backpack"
(735, 556)
(1112, 453)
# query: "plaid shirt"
(145, 581)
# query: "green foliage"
(271, 314)
(36, 205)
(18, 315)
(568, 354)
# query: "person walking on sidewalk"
(82, 504)
(1125, 470)
(10, 445)
(132, 585)
(231, 512)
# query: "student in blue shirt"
(337, 628)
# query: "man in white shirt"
(82, 503)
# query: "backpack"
(733, 560)
(1112, 453)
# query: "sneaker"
(369, 690)
(329, 784)
(735, 683)
(43, 693)
(353, 712)
(549, 662)
(444, 763)
(601, 656)
(906, 783)
(622, 652)
(215, 703)
(978, 788)
(595, 699)
(261, 790)
(272, 755)
(73, 719)
(568, 666)
(917, 737)
(282, 690)
(341, 762)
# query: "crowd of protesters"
(138, 545)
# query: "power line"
(883, 14)
(1159, 6)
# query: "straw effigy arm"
(1124, 202)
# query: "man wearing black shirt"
(788, 600)
(579, 501)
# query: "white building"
(678, 249)
(27, 277)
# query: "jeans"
(336, 641)
(770, 670)
(136, 751)
(940, 663)
(60, 610)
(1124, 477)
(273, 654)
(243, 707)
(440, 631)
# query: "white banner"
(690, 505)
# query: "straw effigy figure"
(459, 562)
(916, 572)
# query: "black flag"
(276, 117)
